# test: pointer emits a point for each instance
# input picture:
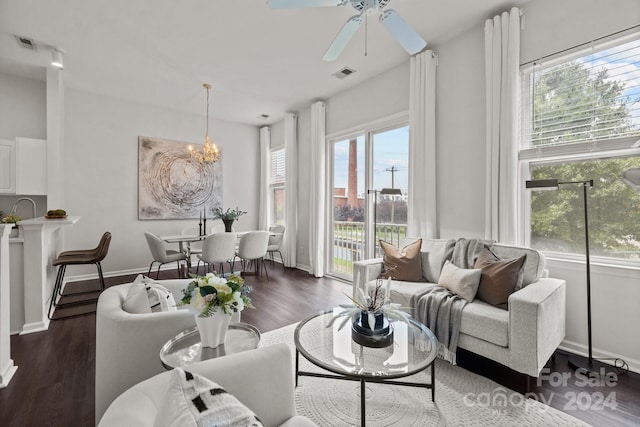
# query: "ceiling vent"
(26, 43)
(345, 72)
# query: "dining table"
(184, 242)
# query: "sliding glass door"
(369, 183)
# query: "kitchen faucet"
(14, 208)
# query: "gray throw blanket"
(441, 311)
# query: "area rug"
(462, 399)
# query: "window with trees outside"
(277, 186)
(581, 121)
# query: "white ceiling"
(259, 61)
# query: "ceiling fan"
(408, 38)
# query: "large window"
(581, 121)
(277, 186)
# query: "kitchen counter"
(42, 241)
(46, 221)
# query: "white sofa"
(261, 379)
(523, 337)
(128, 345)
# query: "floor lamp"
(387, 191)
(576, 362)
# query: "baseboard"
(583, 350)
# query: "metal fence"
(348, 242)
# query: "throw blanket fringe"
(441, 311)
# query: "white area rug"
(462, 399)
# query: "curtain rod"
(580, 45)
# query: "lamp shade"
(632, 178)
(542, 184)
(391, 191)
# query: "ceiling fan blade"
(404, 34)
(342, 39)
(290, 4)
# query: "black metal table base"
(363, 382)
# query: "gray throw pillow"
(461, 281)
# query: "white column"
(41, 237)
(7, 368)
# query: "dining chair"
(78, 257)
(218, 248)
(276, 234)
(253, 248)
(162, 255)
(217, 227)
(195, 248)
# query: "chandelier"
(210, 152)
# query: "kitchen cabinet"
(23, 167)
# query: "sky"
(623, 64)
(390, 148)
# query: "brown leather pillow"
(402, 263)
(500, 278)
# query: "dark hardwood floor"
(54, 383)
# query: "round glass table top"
(331, 347)
(185, 348)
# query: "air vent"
(345, 72)
(26, 43)
(263, 116)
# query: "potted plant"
(213, 300)
(370, 314)
(228, 217)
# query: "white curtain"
(265, 174)
(422, 215)
(291, 189)
(317, 189)
(502, 55)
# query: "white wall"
(101, 172)
(23, 108)
(550, 26)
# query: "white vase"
(213, 329)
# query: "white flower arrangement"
(205, 294)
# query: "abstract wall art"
(171, 185)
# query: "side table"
(185, 348)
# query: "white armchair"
(261, 379)
(128, 345)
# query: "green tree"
(570, 93)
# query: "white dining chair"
(276, 234)
(162, 255)
(253, 248)
(195, 248)
(218, 248)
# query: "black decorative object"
(381, 335)
(228, 225)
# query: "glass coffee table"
(414, 348)
(185, 348)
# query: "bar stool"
(79, 257)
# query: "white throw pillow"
(160, 298)
(463, 282)
(148, 296)
(137, 301)
(193, 400)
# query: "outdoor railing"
(348, 242)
